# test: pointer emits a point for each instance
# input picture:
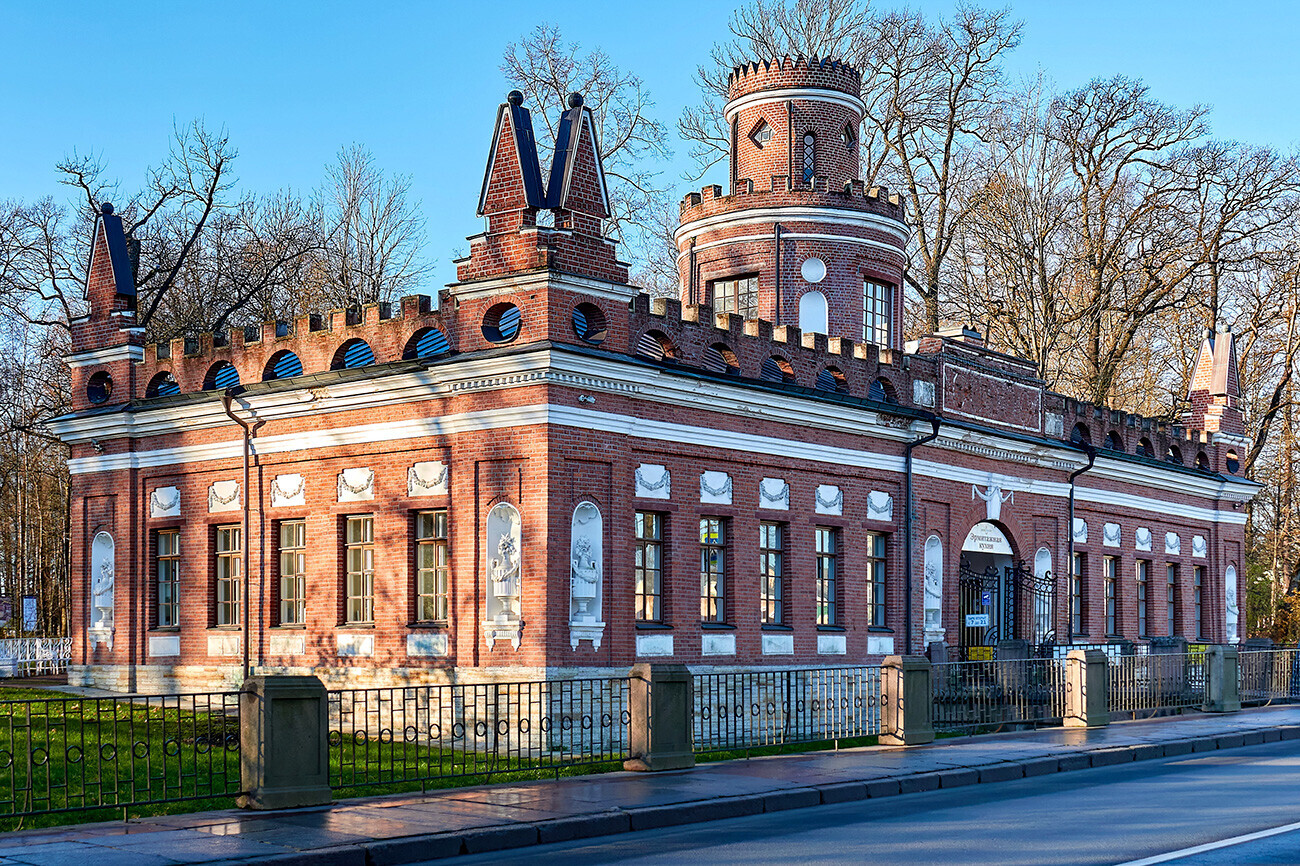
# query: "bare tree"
(546, 69)
(374, 233)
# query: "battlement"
(778, 191)
(798, 72)
(315, 343)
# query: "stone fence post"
(1221, 693)
(906, 701)
(283, 743)
(1087, 683)
(661, 700)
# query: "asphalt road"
(1145, 812)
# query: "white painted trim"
(542, 280)
(792, 236)
(809, 94)
(124, 352)
(792, 213)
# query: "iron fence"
(70, 754)
(1156, 681)
(749, 709)
(34, 656)
(381, 736)
(1266, 676)
(992, 694)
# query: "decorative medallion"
(1198, 546)
(356, 484)
(653, 481)
(715, 488)
(1110, 534)
(223, 496)
(1142, 539)
(829, 499)
(427, 479)
(165, 502)
(774, 493)
(288, 490)
(880, 506)
(1173, 544)
(1080, 530)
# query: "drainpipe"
(776, 234)
(1069, 556)
(226, 397)
(935, 421)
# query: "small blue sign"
(986, 598)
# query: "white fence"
(34, 656)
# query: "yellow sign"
(1197, 649)
(979, 653)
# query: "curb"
(436, 846)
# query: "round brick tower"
(799, 241)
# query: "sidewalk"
(407, 828)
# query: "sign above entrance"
(986, 538)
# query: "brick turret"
(1215, 388)
(799, 240)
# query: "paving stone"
(1148, 752)
(1001, 773)
(957, 778)
(1289, 732)
(1110, 757)
(1252, 738)
(918, 783)
(843, 792)
(390, 852)
(798, 798)
(1073, 762)
(1272, 735)
(1174, 748)
(1204, 744)
(583, 827)
(1230, 741)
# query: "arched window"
(1173, 455)
(656, 346)
(814, 315)
(1202, 462)
(850, 136)
(1232, 463)
(353, 354)
(426, 343)
(882, 391)
(162, 385)
(1114, 442)
(720, 359)
(1079, 435)
(832, 379)
(283, 365)
(809, 151)
(1144, 448)
(777, 369)
(220, 376)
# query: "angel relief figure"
(586, 576)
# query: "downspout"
(226, 397)
(1069, 556)
(935, 422)
(776, 236)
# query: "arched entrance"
(1000, 597)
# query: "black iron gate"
(1011, 603)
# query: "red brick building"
(551, 473)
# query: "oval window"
(501, 324)
(99, 388)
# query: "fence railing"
(971, 695)
(750, 709)
(422, 733)
(1157, 681)
(1265, 676)
(34, 656)
(71, 754)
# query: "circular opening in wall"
(589, 324)
(501, 324)
(99, 388)
(813, 270)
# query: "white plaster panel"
(653, 481)
(1173, 544)
(224, 645)
(420, 645)
(923, 393)
(428, 478)
(288, 490)
(880, 506)
(223, 496)
(1110, 534)
(356, 645)
(718, 644)
(774, 493)
(829, 499)
(1142, 539)
(1080, 530)
(715, 488)
(288, 644)
(1198, 546)
(880, 644)
(356, 484)
(164, 645)
(654, 644)
(778, 644)
(165, 502)
(832, 644)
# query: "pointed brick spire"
(577, 190)
(512, 182)
(1215, 387)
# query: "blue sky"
(418, 83)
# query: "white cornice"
(792, 213)
(124, 352)
(792, 236)
(809, 94)
(542, 280)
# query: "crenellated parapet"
(777, 191)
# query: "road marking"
(1212, 846)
